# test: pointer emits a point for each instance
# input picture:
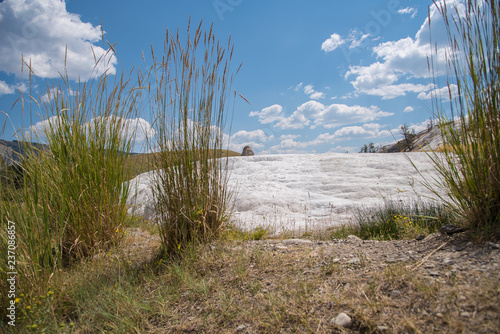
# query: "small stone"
(462, 298)
(434, 273)
(465, 314)
(342, 320)
(296, 241)
(353, 237)
(493, 245)
(241, 328)
(354, 260)
(419, 237)
(395, 293)
(383, 328)
(314, 253)
(439, 315)
(450, 229)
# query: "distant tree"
(408, 137)
(370, 148)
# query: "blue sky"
(320, 76)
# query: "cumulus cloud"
(54, 92)
(332, 43)
(314, 114)
(45, 34)
(405, 59)
(137, 129)
(445, 93)
(255, 139)
(6, 89)
(289, 144)
(369, 130)
(269, 114)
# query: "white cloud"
(332, 43)
(369, 130)
(443, 93)
(270, 114)
(298, 87)
(255, 139)
(409, 10)
(408, 109)
(400, 61)
(313, 94)
(138, 128)
(5, 88)
(289, 136)
(289, 144)
(316, 114)
(44, 33)
(54, 92)
(419, 127)
(356, 38)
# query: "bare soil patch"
(440, 284)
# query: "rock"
(383, 328)
(247, 151)
(353, 237)
(241, 328)
(419, 237)
(342, 320)
(493, 245)
(354, 260)
(465, 315)
(395, 293)
(450, 229)
(296, 241)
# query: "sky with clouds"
(319, 75)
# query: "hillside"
(424, 140)
(12, 151)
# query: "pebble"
(419, 237)
(354, 260)
(296, 241)
(353, 237)
(241, 328)
(395, 293)
(493, 245)
(342, 320)
(465, 314)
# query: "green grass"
(396, 220)
(469, 163)
(189, 99)
(70, 200)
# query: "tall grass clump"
(73, 200)
(396, 220)
(189, 92)
(470, 161)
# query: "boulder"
(247, 151)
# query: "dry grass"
(263, 287)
